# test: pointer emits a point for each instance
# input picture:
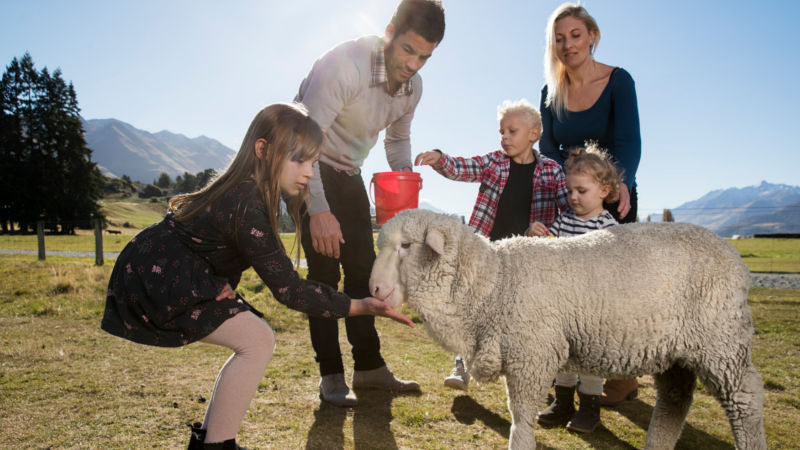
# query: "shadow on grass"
(639, 412)
(467, 411)
(371, 422)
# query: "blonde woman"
(173, 284)
(586, 100)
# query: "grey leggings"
(252, 341)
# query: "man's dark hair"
(424, 17)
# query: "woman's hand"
(428, 158)
(624, 201)
(227, 293)
(371, 306)
(537, 229)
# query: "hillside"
(765, 208)
(121, 149)
(130, 215)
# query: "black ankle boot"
(561, 410)
(198, 436)
(588, 416)
(196, 442)
(230, 444)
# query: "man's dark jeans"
(349, 203)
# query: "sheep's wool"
(662, 299)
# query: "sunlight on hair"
(364, 24)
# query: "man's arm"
(325, 92)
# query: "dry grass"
(64, 383)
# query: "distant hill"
(765, 208)
(121, 149)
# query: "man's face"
(405, 54)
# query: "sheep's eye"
(405, 245)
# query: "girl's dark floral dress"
(165, 282)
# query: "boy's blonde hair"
(524, 107)
(595, 162)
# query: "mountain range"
(121, 149)
(761, 209)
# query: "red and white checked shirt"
(491, 170)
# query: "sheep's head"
(409, 245)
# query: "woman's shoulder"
(620, 77)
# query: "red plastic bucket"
(394, 192)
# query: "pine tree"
(164, 181)
(46, 164)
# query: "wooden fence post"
(98, 242)
(40, 238)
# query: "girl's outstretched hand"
(371, 306)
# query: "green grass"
(769, 255)
(64, 383)
(137, 213)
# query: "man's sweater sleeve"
(325, 92)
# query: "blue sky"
(715, 79)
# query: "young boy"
(518, 185)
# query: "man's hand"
(326, 234)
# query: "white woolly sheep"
(630, 300)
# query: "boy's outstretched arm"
(428, 158)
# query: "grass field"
(760, 255)
(64, 383)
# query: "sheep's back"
(627, 290)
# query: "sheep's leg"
(523, 394)
(745, 409)
(674, 389)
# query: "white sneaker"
(459, 378)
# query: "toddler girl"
(591, 179)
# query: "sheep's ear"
(435, 240)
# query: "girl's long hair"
(555, 74)
(289, 134)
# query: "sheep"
(630, 300)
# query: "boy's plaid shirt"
(491, 170)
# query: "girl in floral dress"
(173, 284)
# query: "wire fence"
(780, 254)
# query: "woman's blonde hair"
(595, 162)
(555, 74)
(289, 134)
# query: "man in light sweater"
(355, 91)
